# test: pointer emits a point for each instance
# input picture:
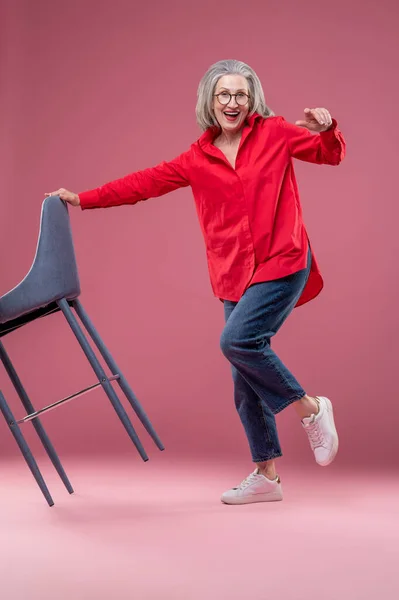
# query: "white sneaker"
(322, 433)
(255, 488)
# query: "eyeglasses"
(225, 97)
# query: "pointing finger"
(311, 113)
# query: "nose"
(233, 102)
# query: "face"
(231, 116)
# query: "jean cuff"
(276, 455)
(275, 411)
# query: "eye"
(241, 96)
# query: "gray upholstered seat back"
(54, 273)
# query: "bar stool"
(52, 285)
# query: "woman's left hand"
(316, 119)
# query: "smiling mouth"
(231, 115)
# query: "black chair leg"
(36, 422)
(102, 377)
(105, 353)
(23, 446)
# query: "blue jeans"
(263, 386)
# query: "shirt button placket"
(246, 228)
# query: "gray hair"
(204, 109)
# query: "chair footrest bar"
(35, 414)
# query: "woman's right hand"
(66, 195)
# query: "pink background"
(92, 91)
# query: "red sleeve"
(325, 148)
(150, 183)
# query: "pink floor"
(157, 531)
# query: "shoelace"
(315, 435)
(247, 481)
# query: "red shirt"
(250, 216)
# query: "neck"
(230, 137)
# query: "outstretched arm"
(149, 183)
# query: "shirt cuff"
(90, 199)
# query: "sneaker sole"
(335, 446)
(275, 497)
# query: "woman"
(260, 261)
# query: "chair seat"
(13, 324)
(30, 297)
